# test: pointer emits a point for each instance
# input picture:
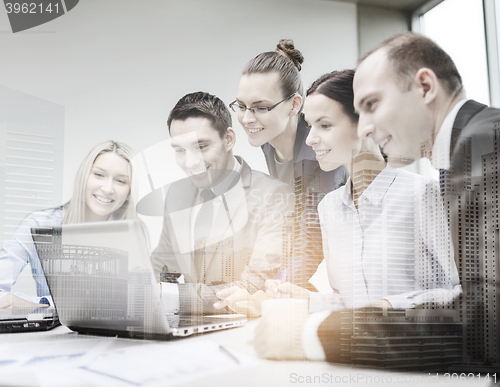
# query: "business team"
(392, 240)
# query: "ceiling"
(398, 5)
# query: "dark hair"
(201, 104)
(286, 61)
(409, 52)
(337, 85)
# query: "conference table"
(60, 357)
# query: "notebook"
(102, 282)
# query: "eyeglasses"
(237, 108)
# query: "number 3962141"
(31, 8)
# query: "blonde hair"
(75, 208)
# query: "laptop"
(26, 316)
(28, 319)
(102, 282)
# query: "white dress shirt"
(395, 246)
(441, 146)
(219, 189)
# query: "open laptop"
(102, 282)
(28, 319)
(25, 314)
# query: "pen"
(224, 350)
(282, 280)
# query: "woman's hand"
(287, 289)
(241, 301)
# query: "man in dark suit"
(411, 102)
(224, 223)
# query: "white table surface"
(262, 373)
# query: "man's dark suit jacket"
(473, 180)
(476, 133)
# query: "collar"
(183, 194)
(375, 192)
(230, 180)
(237, 165)
(441, 148)
(347, 194)
(302, 151)
(378, 188)
(245, 172)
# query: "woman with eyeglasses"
(102, 191)
(269, 108)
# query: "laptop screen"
(100, 277)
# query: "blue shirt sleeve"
(19, 251)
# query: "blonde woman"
(102, 191)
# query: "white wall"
(119, 66)
(376, 25)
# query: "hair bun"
(287, 48)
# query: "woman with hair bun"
(102, 191)
(269, 107)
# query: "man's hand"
(288, 290)
(278, 335)
(241, 301)
(10, 301)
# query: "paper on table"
(48, 357)
(153, 364)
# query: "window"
(458, 27)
